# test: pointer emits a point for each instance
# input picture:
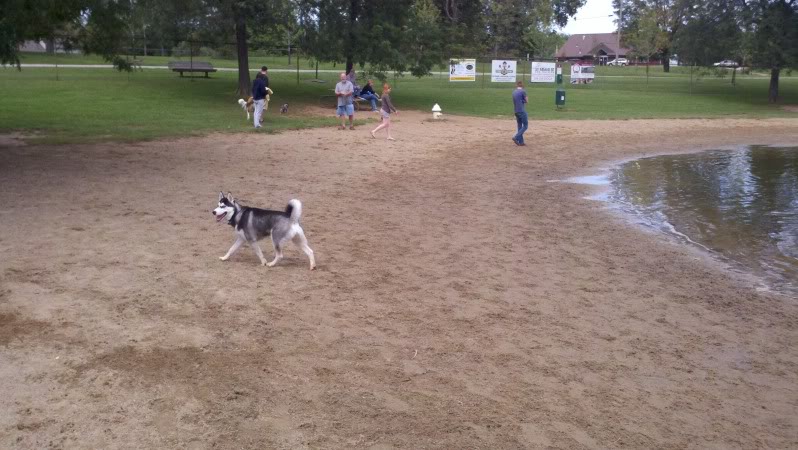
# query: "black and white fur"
(284, 109)
(254, 224)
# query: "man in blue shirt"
(367, 93)
(519, 102)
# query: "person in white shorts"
(385, 111)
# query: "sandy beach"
(462, 298)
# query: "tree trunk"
(350, 46)
(49, 46)
(666, 61)
(773, 93)
(243, 55)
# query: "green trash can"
(559, 97)
(559, 78)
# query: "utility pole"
(620, 14)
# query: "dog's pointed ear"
(221, 195)
(230, 197)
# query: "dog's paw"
(223, 258)
(313, 267)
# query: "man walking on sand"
(519, 102)
(344, 90)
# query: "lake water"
(740, 204)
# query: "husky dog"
(254, 224)
(284, 109)
(247, 105)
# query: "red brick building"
(595, 48)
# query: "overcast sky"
(592, 18)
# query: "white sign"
(503, 71)
(543, 72)
(462, 70)
(582, 73)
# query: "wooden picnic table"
(191, 66)
(356, 101)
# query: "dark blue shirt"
(519, 100)
(259, 89)
(367, 89)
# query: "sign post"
(503, 71)
(582, 73)
(462, 70)
(543, 72)
(559, 95)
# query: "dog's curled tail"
(294, 210)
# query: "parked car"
(726, 63)
(618, 62)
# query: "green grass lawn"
(103, 104)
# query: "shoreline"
(600, 186)
(460, 300)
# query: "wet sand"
(462, 300)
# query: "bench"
(367, 104)
(357, 102)
(189, 66)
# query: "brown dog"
(248, 105)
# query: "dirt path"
(461, 301)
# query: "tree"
(670, 16)
(106, 32)
(713, 31)
(393, 35)
(424, 40)
(511, 24)
(165, 23)
(415, 35)
(543, 43)
(774, 24)
(22, 20)
(648, 39)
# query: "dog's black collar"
(233, 222)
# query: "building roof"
(32, 46)
(579, 45)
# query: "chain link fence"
(304, 68)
